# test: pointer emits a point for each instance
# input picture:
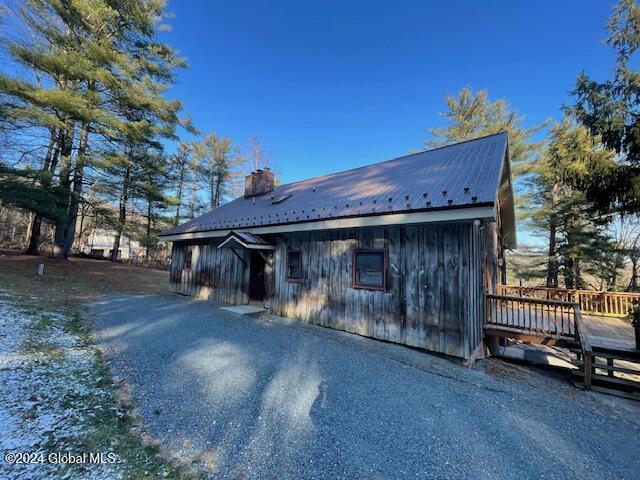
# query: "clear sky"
(330, 85)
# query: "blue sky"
(330, 85)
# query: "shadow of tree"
(280, 399)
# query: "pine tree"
(472, 115)
(217, 162)
(181, 174)
(151, 191)
(105, 76)
(577, 243)
(610, 110)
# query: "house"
(98, 242)
(401, 250)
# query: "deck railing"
(548, 318)
(543, 319)
(591, 302)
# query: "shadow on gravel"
(254, 398)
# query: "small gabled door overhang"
(245, 240)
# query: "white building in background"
(99, 243)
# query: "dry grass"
(69, 283)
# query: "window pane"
(294, 265)
(370, 268)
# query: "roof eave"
(505, 202)
(480, 211)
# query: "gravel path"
(271, 398)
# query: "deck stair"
(602, 364)
(612, 371)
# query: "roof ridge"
(391, 159)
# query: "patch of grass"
(108, 423)
(42, 323)
(73, 282)
(74, 325)
(65, 287)
(112, 429)
(49, 352)
(36, 343)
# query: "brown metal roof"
(245, 240)
(460, 175)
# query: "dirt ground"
(69, 283)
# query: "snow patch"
(41, 407)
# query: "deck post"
(587, 370)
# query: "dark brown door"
(256, 280)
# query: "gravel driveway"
(277, 399)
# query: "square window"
(370, 269)
(294, 265)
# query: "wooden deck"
(602, 349)
(611, 333)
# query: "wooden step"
(610, 391)
(616, 354)
(614, 368)
(616, 381)
(609, 368)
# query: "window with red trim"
(370, 268)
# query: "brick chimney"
(258, 182)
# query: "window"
(370, 269)
(294, 265)
(187, 258)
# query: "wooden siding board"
(452, 300)
(434, 292)
(393, 319)
(411, 264)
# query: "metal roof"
(245, 240)
(461, 175)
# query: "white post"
(40, 269)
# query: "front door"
(256, 277)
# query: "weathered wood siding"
(435, 282)
(434, 295)
(215, 274)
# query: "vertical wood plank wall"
(215, 274)
(435, 289)
(436, 278)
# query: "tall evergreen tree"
(610, 110)
(576, 242)
(217, 163)
(181, 173)
(105, 75)
(472, 115)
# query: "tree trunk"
(34, 237)
(212, 194)
(568, 273)
(552, 262)
(27, 235)
(149, 212)
(122, 216)
(192, 204)
(552, 265)
(179, 195)
(76, 196)
(49, 166)
(66, 148)
(633, 283)
(218, 190)
(577, 275)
